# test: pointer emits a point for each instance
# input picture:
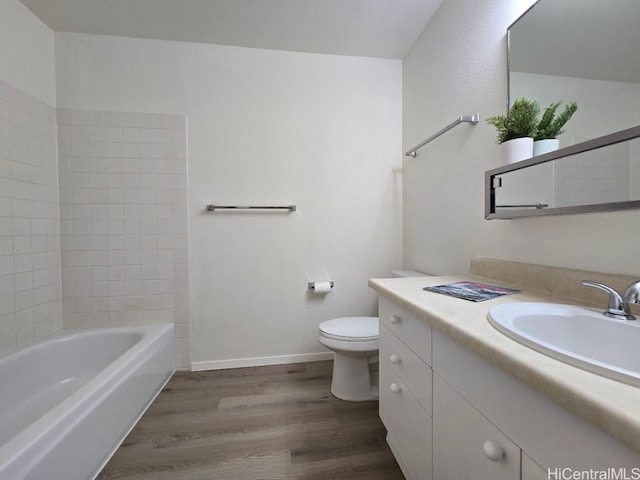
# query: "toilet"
(355, 342)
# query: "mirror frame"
(606, 140)
(509, 52)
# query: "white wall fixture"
(472, 119)
(288, 208)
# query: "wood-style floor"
(268, 423)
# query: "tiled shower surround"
(123, 217)
(30, 307)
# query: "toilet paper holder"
(312, 285)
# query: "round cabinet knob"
(393, 358)
(394, 319)
(395, 388)
(493, 451)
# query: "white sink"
(580, 336)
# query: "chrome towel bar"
(472, 119)
(213, 208)
(525, 205)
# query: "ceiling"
(370, 28)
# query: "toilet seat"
(351, 329)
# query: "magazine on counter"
(475, 292)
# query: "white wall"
(27, 54)
(320, 131)
(458, 66)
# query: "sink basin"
(580, 336)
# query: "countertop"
(611, 406)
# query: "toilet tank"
(408, 273)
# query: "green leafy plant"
(550, 125)
(521, 120)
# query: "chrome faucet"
(618, 304)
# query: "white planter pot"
(517, 149)
(540, 147)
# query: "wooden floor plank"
(276, 422)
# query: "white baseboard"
(260, 361)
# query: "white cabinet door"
(532, 471)
(408, 424)
(527, 416)
(465, 444)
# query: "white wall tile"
(30, 268)
(123, 181)
(129, 119)
(146, 150)
(113, 119)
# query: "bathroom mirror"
(586, 51)
(594, 176)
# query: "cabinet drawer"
(411, 369)
(465, 443)
(408, 424)
(415, 333)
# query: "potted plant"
(517, 129)
(550, 126)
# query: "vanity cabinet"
(406, 389)
(528, 417)
(452, 414)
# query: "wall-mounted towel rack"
(213, 208)
(472, 119)
(525, 205)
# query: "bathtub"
(68, 402)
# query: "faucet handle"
(617, 307)
(632, 293)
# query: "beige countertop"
(611, 406)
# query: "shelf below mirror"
(598, 175)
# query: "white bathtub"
(67, 403)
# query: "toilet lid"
(351, 328)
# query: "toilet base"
(352, 379)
